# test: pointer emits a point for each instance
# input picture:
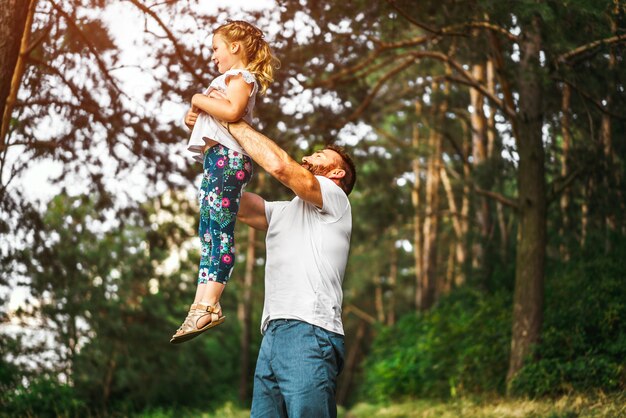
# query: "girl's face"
(223, 55)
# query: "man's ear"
(337, 173)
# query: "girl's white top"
(208, 127)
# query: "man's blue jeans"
(296, 372)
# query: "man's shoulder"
(330, 186)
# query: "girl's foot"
(198, 320)
(192, 308)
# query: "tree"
(14, 19)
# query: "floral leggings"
(226, 172)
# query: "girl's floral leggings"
(226, 172)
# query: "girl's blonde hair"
(261, 61)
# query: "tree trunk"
(351, 363)
(431, 221)
(393, 279)
(588, 192)
(565, 197)
(462, 241)
(479, 157)
(378, 299)
(14, 28)
(243, 312)
(531, 237)
(417, 217)
(457, 250)
(609, 174)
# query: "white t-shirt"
(307, 251)
(208, 127)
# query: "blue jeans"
(296, 372)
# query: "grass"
(572, 406)
(579, 406)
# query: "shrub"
(583, 342)
(44, 397)
(459, 347)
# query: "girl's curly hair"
(261, 61)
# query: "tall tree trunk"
(457, 250)
(417, 217)
(431, 218)
(493, 147)
(588, 191)
(504, 232)
(462, 241)
(446, 285)
(244, 308)
(351, 363)
(379, 298)
(393, 278)
(565, 196)
(607, 147)
(15, 22)
(243, 313)
(531, 237)
(479, 157)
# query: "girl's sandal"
(189, 329)
(192, 308)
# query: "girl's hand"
(191, 117)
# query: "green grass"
(572, 406)
(597, 406)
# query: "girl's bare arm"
(232, 107)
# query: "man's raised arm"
(277, 162)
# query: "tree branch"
(493, 195)
(360, 313)
(90, 46)
(468, 79)
(349, 73)
(379, 84)
(483, 25)
(591, 99)
(179, 51)
(497, 196)
(559, 185)
(393, 4)
(584, 48)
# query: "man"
(307, 245)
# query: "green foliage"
(44, 397)
(459, 347)
(110, 308)
(583, 343)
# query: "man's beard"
(317, 170)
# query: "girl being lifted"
(246, 65)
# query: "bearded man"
(307, 244)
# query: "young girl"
(246, 64)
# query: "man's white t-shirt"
(307, 251)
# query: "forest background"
(488, 216)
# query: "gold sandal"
(190, 328)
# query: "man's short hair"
(347, 165)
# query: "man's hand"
(216, 94)
(191, 117)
